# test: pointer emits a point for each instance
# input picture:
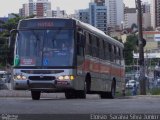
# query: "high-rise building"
(32, 7)
(155, 13)
(57, 13)
(96, 15)
(40, 8)
(115, 13)
(130, 17)
(24, 11)
(83, 15)
(146, 7)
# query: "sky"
(10, 6)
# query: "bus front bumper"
(53, 85)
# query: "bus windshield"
(44, 48)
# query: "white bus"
(66, 55)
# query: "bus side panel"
(93, 67)
(80, 74)
(117, 72)
(105, 68)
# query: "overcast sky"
(9, 6)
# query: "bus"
(66, 55)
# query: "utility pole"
(141, 42)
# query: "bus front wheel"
(35, 95)
(82, 93)
(71, 94)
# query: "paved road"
(57, 104)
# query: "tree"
(120, 40)
(3, 51)
(129, 46)
(6, 54)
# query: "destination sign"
(45, 23)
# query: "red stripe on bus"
(96, 67)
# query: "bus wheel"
(35, 95)
(71, 94)
(104, 95)
(82, 93)
(88, 84)
(110, 94)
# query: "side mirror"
(12, 37)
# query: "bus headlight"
(66, 77)
(20, 77)
(60, 77)
(24, 77)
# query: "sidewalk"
(145, 96)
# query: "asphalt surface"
(54, 106)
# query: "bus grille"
(42, 78)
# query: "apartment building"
(155, 13)
(96, 14)
(40, 8)
(115, 13)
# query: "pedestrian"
(134, 90)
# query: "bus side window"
(106, 49)
(101, 49)
(95, 46)
(110, 52)
(88, 44)
(80, 44)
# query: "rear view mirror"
(12, 37)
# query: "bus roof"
(100, 33)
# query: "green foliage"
(129, 46)
(120, 40)
(6, 54)
(155, 91)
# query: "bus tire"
(35, 95)
(71, 94)
(81, 94)
(110, 94)
(88, 83)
